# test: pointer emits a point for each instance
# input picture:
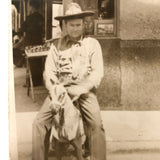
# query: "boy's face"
(74, 28)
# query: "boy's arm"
(49, 75)
(94, 78)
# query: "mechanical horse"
(67, 125)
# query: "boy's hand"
(75, 92)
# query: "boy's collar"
(67, 38)
(66, 42)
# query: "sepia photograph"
(84, 80)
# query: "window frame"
(115, 33)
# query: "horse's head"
(57, 97)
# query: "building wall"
(139, 19)
(109, 92)
(140, 54)
(140, 78)
(132, 75)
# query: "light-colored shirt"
(80, 64)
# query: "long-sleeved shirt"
(80, 64)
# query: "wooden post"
(24, 10)
(48, 19)
(45, 17)
(28, 6)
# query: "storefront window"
(106, 9)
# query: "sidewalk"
(126, 132)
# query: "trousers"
(90, 111)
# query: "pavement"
(130, 135)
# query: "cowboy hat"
(74, 11)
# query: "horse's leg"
(77, 144)
(58, 150)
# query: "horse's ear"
(51, 80)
